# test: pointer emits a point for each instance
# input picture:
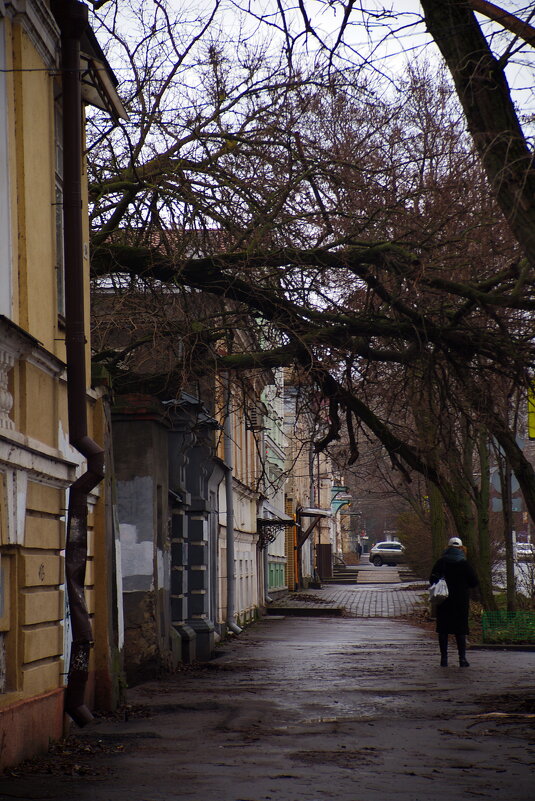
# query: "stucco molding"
(7, 362)
(46, 468)
(20, 463)
(39, 25)
(16, 488)
(244, 537)
(16, 344)
(46, 362)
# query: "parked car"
(524, 551)
(388, 553)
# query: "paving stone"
(357, 600)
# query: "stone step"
(352, 572)
(378, 576)
(308, 610)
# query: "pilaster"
(198, 607)
(179, 585)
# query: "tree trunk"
(438, 521)
(460, 503)
(507, 510)
(490, 113)
(482, 503)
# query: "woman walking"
(452, 614)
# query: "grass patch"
(509, 627)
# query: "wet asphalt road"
(314, 709)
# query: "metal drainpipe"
(231, 579)
(267, 597)
(72, 19)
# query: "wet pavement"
(368, 591)
(358, 601)
(311, 709)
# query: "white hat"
(456, 542)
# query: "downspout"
(267, 597)
(72, 18)
(231, 577)
(313, 501)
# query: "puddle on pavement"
(355, 717)
(338, 719)
(342, 758)
(384, 692)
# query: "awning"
(271, 512)
(270, 527)
(98, 80)
(313, 512)
(316, 515)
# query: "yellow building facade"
(307, 490)
(37, 462)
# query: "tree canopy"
(378, 229)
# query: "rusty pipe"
(72, 18)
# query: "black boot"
(461, 647)
(443, 645)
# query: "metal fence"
(509, 627)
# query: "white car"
(524, 551)
(390, 553)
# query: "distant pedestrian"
(452, 614)
(359, 551)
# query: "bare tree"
(358, 230)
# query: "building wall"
(104, 539)
(290, 544)
(34, 468)
(248, 578)
(246, 469)
(298, 486)
(310, 480)
(194, 478)
(6, 277)
(246, 555)
(274, 447)
(37, 464)
(141, 468)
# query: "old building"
(198, 461)
(43, 387)
(312, 543)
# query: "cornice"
(37, 22)
(23, 345)
(42, 464)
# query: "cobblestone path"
(373, 601)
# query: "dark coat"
(452, 614)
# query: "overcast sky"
(388, 43)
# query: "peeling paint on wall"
(135, 509)
(119, 580)
(16, 487)
(137, 559)
(68, 452)
(135, 505)
(164, 569)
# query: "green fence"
(509, 627)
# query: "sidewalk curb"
(307, 611)
(501, 647)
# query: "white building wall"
(247, 590)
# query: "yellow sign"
(531, 413)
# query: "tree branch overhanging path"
(373, 239)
